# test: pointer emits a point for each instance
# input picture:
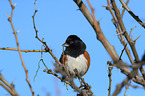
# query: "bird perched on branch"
(75, 56)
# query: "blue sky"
(55, 21)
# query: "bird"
(75, 56)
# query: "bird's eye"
(71, 42)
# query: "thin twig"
(96, 26)
(117, 13)
(46, 46)
(9, 90)
(110, 79)
(37, 69)
(83, 81)
(124, 9)
(123, 51)
(136, 39)
(131, 31)
(132, 14)
(127, 87)
(15, 33)
(12, 49)
(119, 31)
(119, 87)
(9, 87)
(130, 41)
(71, 83)
(49, 71)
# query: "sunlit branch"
(15, 33)
(12, 49)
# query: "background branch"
(15, 33)
(100, 36)
(130, 41)
(110, 79)
(132, 14)
(124, 9)
(105, 42)
(118, 30)
(6, 85)
(120, 86)
(110, 49)
(12, 49)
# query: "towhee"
(75, 56)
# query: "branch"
(15, 33)
(49, 71)
(46, 47)
(123, 51)
(85, 92)
(83, 81)
(110, 79)
(9, 87)
(124, 9)
(132, 14)
(117, 13)
(100, 36)
(127, 87)
(119, 87)
(119, 31)
(22, 50)
(61, 67)
(110, 49)
(130, 41)
(130, 74)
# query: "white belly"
(78, 63)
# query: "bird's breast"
(79, 63)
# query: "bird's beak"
(65, 45)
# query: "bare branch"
(119, 31)
(117, 13)
(83, 81)
(130, 41)
(131, 31)
(132, 14)
(15, 33)
(119, 87)
(137, 38)
(9, 87)
(110, 79)
(100, 36)
(12, 49)
(123, 51)
(127, 87)
(46, 47)
(124, 9)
